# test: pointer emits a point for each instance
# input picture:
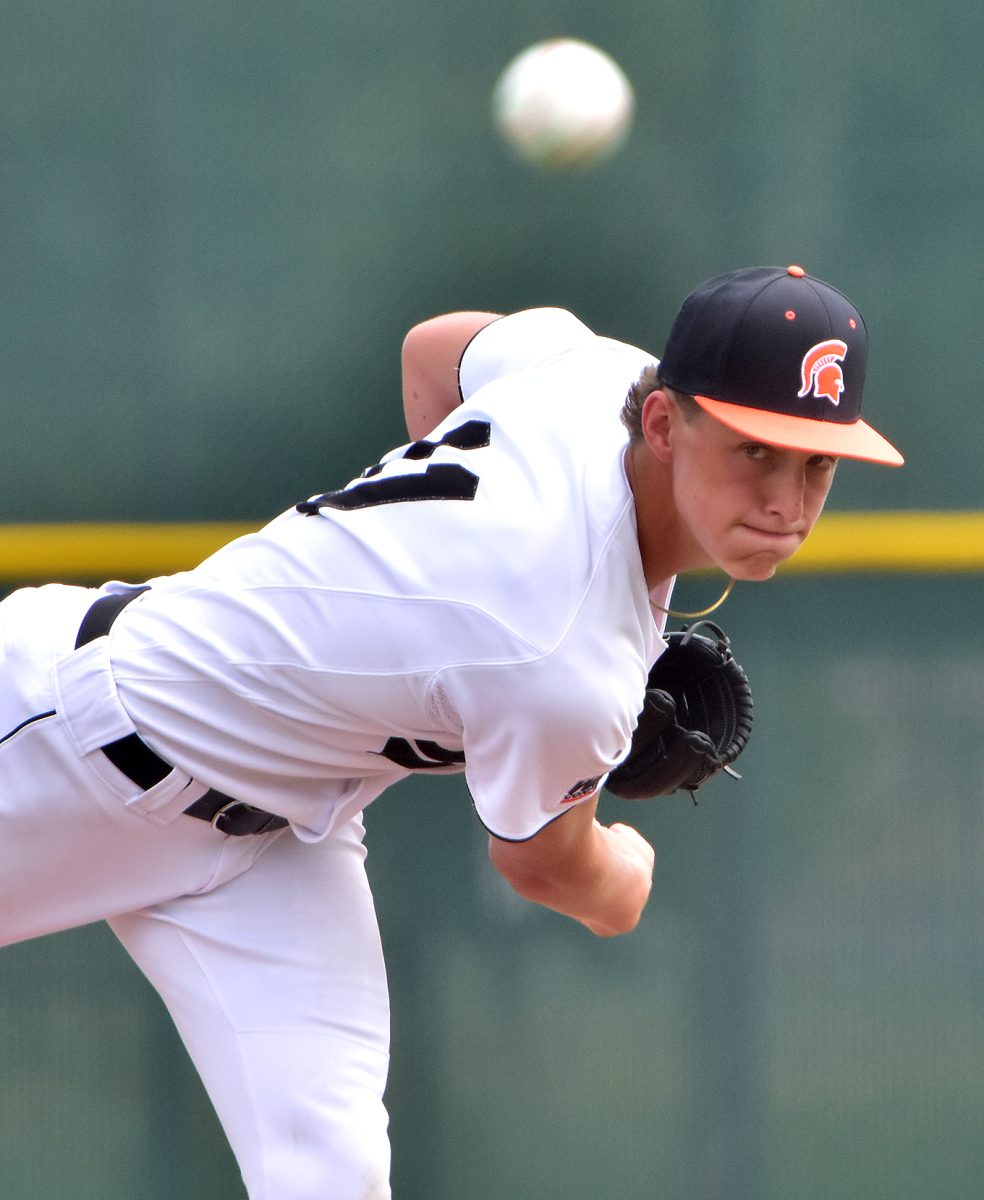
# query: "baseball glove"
(695, 720)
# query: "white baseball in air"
(563, 103)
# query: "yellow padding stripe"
(893, 541)
(129, 551)
(858, 541)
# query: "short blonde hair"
(649, 381)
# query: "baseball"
(563, 104)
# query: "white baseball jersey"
(475, 601)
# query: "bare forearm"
(598, 875)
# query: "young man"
(189, 760)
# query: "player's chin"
(755, 572)
(755, 568)
(759, 558)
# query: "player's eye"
(822, 462)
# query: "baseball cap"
(777, 356)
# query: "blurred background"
(219, 217)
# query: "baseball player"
(189, 759)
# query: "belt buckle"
(227, 810)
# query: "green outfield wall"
(218, 221)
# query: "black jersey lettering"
(422, 755)
(441, 481)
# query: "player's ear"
(658, 417)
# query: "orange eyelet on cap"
(796, 271)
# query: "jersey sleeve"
(516, 342)
(535, 742)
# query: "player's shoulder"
(517, 341)
(539, 322)
(537, 338)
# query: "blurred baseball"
(563, 103)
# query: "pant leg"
(78, 840)
(276, 984)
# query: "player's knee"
(355, 1167)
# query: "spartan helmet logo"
(821, 370)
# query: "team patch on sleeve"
(582, 788)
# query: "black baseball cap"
(778, 356)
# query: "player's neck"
(665, 544)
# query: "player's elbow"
(542, 876)
(517, 868)
(527, 872)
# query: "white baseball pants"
(264, 948)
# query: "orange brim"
(857, 440)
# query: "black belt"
(144, 767)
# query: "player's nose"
(787, 495)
